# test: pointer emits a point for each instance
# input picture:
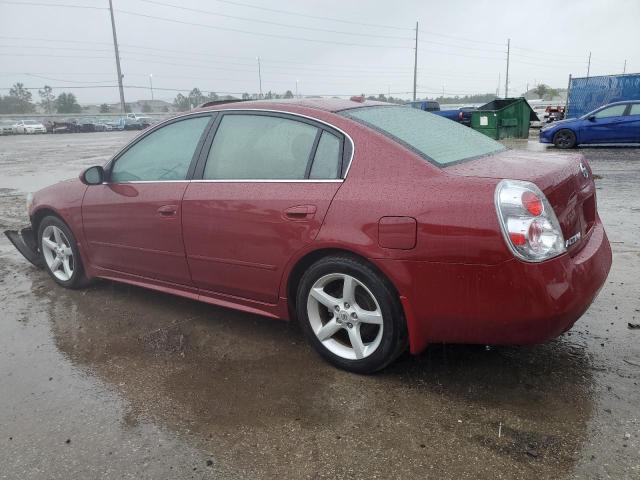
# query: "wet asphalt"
(119, 382)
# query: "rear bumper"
(25, 243)
(512, 303)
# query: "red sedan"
(377, 226)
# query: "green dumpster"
(504, 118)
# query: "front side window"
(435, 138)
(635, 109)
(164, 154)
(615, 111)
(260, 147)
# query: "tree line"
(195, 97)
(20, 100)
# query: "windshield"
(439, 140)
(30, 122)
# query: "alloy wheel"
(345, 316)
(57, 253)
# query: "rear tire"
(351, 314)
(60, 253)
(564, 138)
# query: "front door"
(605, 126)
(265, 187)
(631, 124)
(132, 222)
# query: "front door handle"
(168, 210)
(300, 212)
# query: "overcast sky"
(332, 47)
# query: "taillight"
(460, 116)
(532, 203)
(529, 224)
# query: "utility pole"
(589, 65)
(151, 84)
(624, 69)
(415, 65)
(506, 81)
(296, 88)
(498, 89)
(566, 103)
(115, 46)
(260, 77)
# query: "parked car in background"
(426, 105)
(461, 115)
(69, 125)
(554, 113)
(107, 124)
(126, 123)
(617, 122)
(144, 122)
(86, 125)
(365, 260)
(29, 127)
(98, 125)
(6, 127)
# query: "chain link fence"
(588, 93)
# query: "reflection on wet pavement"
(145, 385)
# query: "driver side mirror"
(92, 176)
(591, 118)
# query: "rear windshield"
(439, 140)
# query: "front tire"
(564, 138)
(59, 251)
(351, 314)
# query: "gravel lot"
(119, 382)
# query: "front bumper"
(546, 136)
(25, 243)
(512, 303)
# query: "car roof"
(621, 102)
(326, 104)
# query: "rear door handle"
(300, 212)
(167, 210)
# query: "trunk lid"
(566, 181)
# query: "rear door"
(133, 221)
(261, 194)
(606, 126)
(632, 123)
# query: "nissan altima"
(378, 227)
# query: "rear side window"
(437, 139)
(326, 163)
(635, 109)
(164, 154)
(260, 147)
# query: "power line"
(66, 48)
(53, 56)
(315, 17)
(65, 5)
(268, 22)
(146, 87)
(272, 35)
(35, 75)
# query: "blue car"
(617, 122)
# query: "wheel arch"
(572, 129)
(41, 213)
(305, 261)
